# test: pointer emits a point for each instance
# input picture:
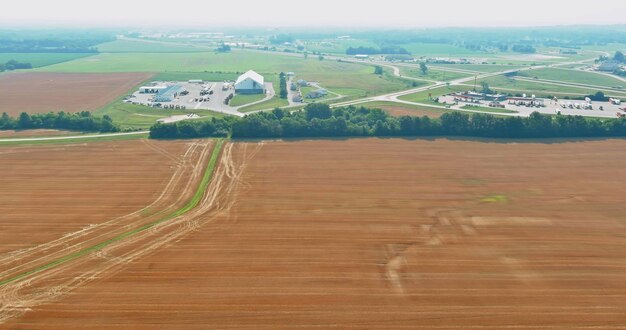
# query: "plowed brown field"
(70, 92)
(368, 233)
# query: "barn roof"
(252, 75)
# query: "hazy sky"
(355, 13)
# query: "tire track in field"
(23, 295)
(22, 260)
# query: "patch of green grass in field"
(143, 46)
(573, 76)
(241, 99)
(432, 74)
(42, 59)
(131, 116)
(273, 103)
(494, 199)
(423, 97)
(487, 109)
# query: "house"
(609, 66)
(250, 83)
(303, 83)
(317, 94)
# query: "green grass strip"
(195, 200)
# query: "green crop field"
(573, 76)
(332, 74)
(488, 68)
(422, 97)
(42, 59)
(205, 76)
(148, 46)
(432, 74)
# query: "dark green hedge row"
(81, 121)
(319, 120)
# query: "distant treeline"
(82, 121)
(376, 51)
(52, 41)
(319, 120)
(14, 65)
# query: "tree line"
(319, 120)
(81, 121)
(14, 65)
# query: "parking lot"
(196, 96)
(549, 106)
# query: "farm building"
(168, 94)
(317, 94)
(250, 83)
(151, 89)
(609, 66)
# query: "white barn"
(250, 83)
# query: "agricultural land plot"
(42, 59)
(147, 46)
(428, 96)
(358, 79)
(573, 76)
(140, 116)
(432, 74)
(241, 99)
(431, 234)
(54, 191)
(34, 133)
(401, 109)
(488, 68)
(44, 92)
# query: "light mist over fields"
(245, 13)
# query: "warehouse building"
(168, 94)
(250, 83)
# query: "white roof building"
(250, 82)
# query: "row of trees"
(14, 65)
(319, 120)
(82, 121)
(525, 49)
(192, 129)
